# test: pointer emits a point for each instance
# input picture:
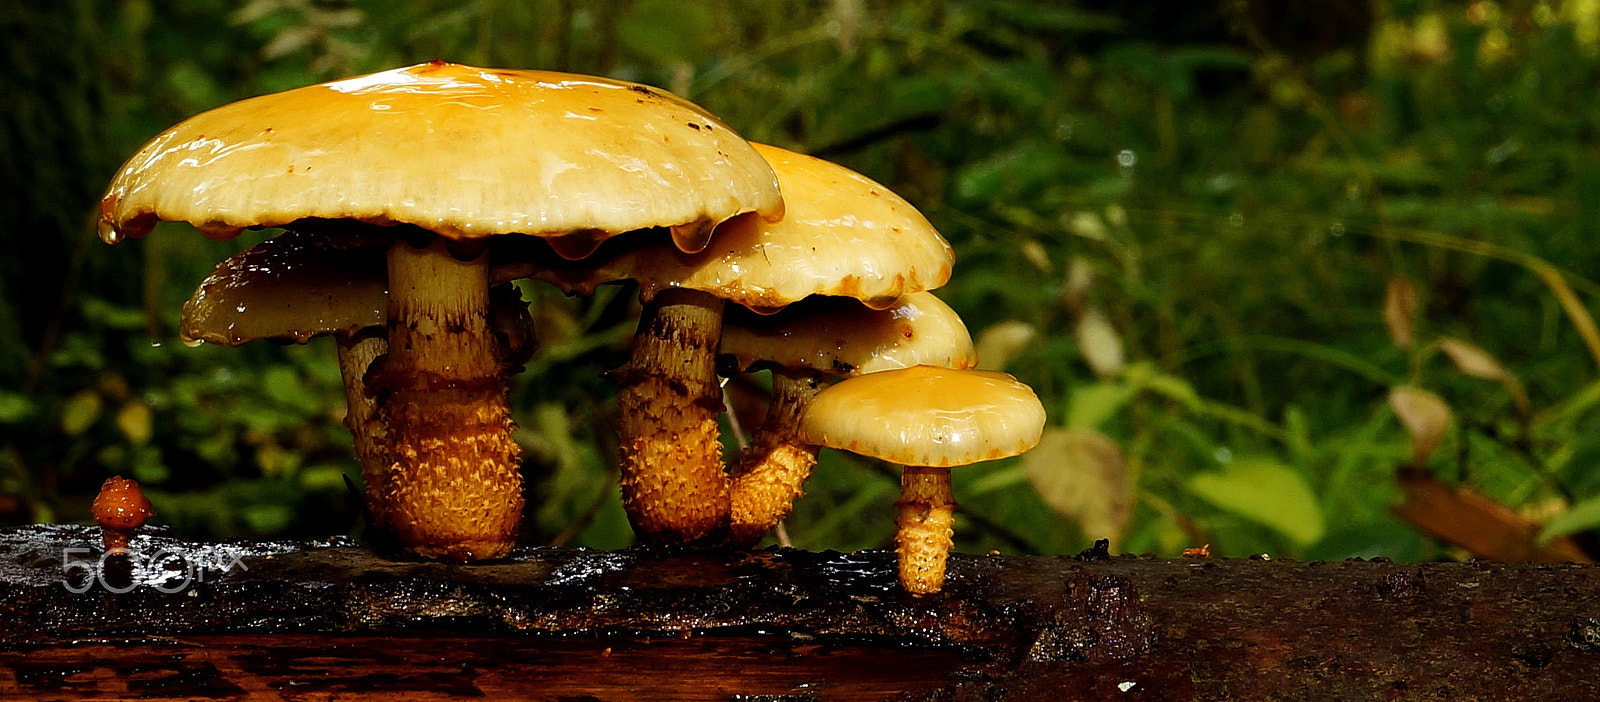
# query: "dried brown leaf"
(1400, 312)
(1472, 360)
(1477, 363)
(1000, 342)
(1425, 416)
(1081, 475)
(1100, 344)
(1075, 292)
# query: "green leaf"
(285, 386)
(80, 412)
(135, 421)
(113, 316)
(1144, 376)
(14, 407)
(267, 518)
(1092, 405)
(323, 478)
(1580, 517)
(1266, 492)
(148, 467)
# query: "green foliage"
(1226, 201)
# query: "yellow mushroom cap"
(926, 416)
(842, 235)
(841, 336)
(465, 152)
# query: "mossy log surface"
(332, 620)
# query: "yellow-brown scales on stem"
(843, 235)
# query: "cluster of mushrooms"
(412, 198)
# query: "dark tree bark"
(321, 620)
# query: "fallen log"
(332, 620)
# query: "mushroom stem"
(357, 352)
(452, 488)
(927, 513)
(773, 469)
(673, 483)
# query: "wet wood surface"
(346, 666)
(331, 620)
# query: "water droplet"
(1127, 158)
(1236, 219)
(1223, 454)
(1337, 229)
(240, 308)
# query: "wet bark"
(330, 619)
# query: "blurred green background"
(1256, 257)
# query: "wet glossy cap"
(926, 416)
(842, 235)
(121, 505)
(465, 152)
(841, 336)
(293, 286)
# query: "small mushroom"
(929, 420)
(812, 339)
(448, 159)
(119, 509)
(842, 235)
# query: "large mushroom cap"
(842, 235)
(465, 152)
(926, 416)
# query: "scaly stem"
(673, 484)
(772, 470)
(927, 513)
(452, 488)
(371, 436)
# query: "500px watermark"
(120, 570)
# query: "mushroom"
(929, 420)
(119, 509)
(842, 235)
(805, 342)
(297, 286)
(447, 157)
